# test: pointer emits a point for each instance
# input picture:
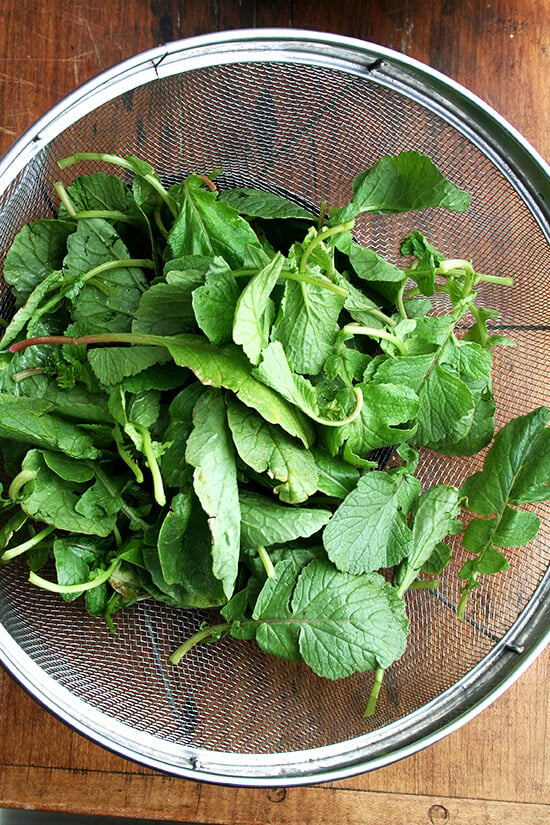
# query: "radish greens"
(217, 398)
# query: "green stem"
(424, 584)
(502, 280)
(65, 199)
(214, 631)
(26, 545)
(19, 482)
(73, 212)
(322, 215)
(123, 263)
(399, 300)
(248, 272)
(342, 422)
(311, 279)
(266, 561)
(322, 236)
(482, 330)
(357, 329)
(158, 485)
(464, 596)
(124, 163)
(54, 587)
(375, 690)
(106, 214)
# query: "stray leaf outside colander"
(299, 112)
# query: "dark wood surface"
(494, 770)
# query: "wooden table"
(494, 770)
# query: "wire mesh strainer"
(302, 113)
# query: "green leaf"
(274, 371)
(254, 311)
(401, 183)
(214, 302)
(210, 450)
(447, 405)
(427, 261)
(438, 560)
(175, 470)
(336, 623)
(69, 468)
(307, 324)
(387, 417)
(226, 366)
(70, 567)
(367, 263)
(208, 226)
(170, 535)
(96, 242)
(166, 307)
(112, 364)
(255, 203)
(267, 448)
(37, 249)
(31, 309)
(183, 565)
(53, 500)
(516, 469)
(489, 562)
(433, 517)
(33, 421)
(336, 478)
(369, 529)
(99, 503)
(98, 191)
(265, 522)
(514, 528)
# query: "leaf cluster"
(198, 389)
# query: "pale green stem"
(54, 587)
(115, 160)
(158, 484)
(311, 279)
(322, 214)
(20, 376)
(375, 690)
(26, 545)
(322, 236)
(123, 263)
(19, 482)
(464, 596)
(201, 636)
(399, 300)
(159, 222)
(266, 561)
(65, 199)
(424, 584)
(342, 422)
(357, 329)
(297, 276)
(106, 214)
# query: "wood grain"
(495, 769)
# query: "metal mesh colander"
(302, 113)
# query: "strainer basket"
(302, 113)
